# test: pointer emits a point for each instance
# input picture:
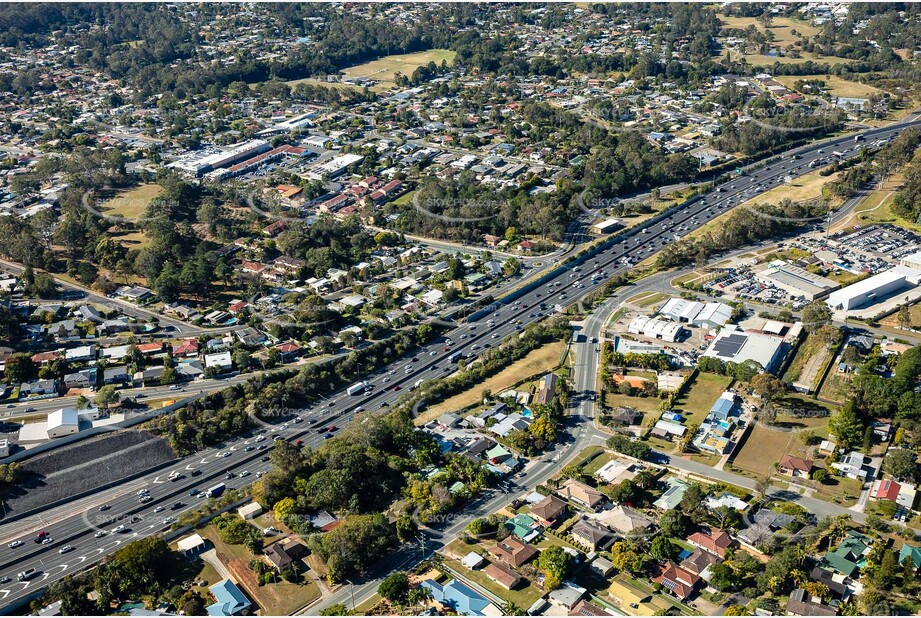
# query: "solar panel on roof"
(730, 345)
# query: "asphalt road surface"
(318, 421)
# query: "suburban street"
(485, 328)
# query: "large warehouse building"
(875, 288)
(707, 315)
(795, 281)
(733, 345)
(657, 329)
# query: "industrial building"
(708, 315)
(607, 226)
(657, 329)
(733, 345)
(875, 288)
(795, 281)
(912, 261)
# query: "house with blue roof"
(461, 598)
(230, 599)
(722, 409)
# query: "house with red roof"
(189, 347)
(150, 348)
(289, 350)
(676, 580)
(791, 465)
(715, 541)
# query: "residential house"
(580, 493)
(852, 466)
(460, 598)
(284, 553)
(791, 465)
(677, 580)
(902, 494)
(699, 563)
(221, 361)
(547, 389)
(549, 509)
(513, 551)
(115, 375)
(502, 575)
(38, 388)
(85, 378)
(623, 519)
(850, 556)
(567, 595)
(81, 354)
(64, 330)
(188, 348)
(230, 600)
(672, 496)
(249, 336)
(715, 541)
(802, 603)
(910, 552)
(592, 535)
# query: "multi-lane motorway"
(431, 361)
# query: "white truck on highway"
(358, 387)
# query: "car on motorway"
(66, 549)
(47, 540)
(145, 499)
(15, 544)
(99, 534)
(250, 448)
(244, 474)
(196, 472)
(119, 529)
(41, 536)
(266, 458)
(159, 509)
(176, 506)
(5, 580)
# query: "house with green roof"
(524, 527)
(850, 556)
(910, 551)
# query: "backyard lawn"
(701, 395)
(278, 599)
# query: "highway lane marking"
(157, 481)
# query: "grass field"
(278, 599)
(132, 203)
(763, 449)
(384, 69)
(701, 395)
(806, 351)
(544, 358)
(320, 82)
(522, 596)
(877, 208)
(836, 386)
(643, 404)
(781, 27)
(835, 86)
